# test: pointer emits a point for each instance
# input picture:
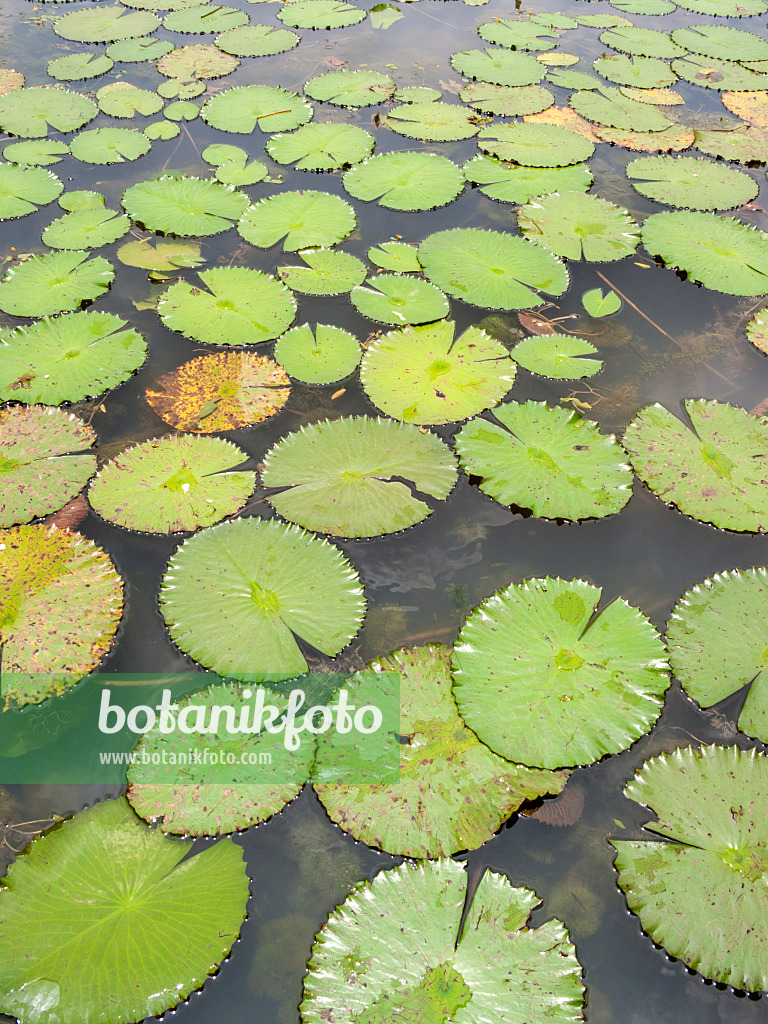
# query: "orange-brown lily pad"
(10, 80)
(752, 106)
(674, 138)
(566, 118)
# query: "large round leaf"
(406, 180)
(725, 8)
(86, 229)
(434, 121)
(401, 941)
(692, 183)
(396, 299)
(121, 99)
(327, 356)
(559, 356)
(29, 112)
(357, 477)
(61, 601)
(164, 254)
(327, 272)
(535, 145)
(321, 147)
(702, 894)
(545, 682)
(744, 143)
(74, 67)
(183, 205)
(718, 74)
(722, 42)
(320, 14)
(202, 60)
(351, 88)
(299, 219)
(611, 108)
(452, 792)
(514, 183)
(245, 108)
(256, 40)
(205, 18)
(499, 66)
(85, 903)
(67, 359)
(237, 596)
(105, 24)
(547, 459)
(518, 35)
(641, 72)
(239, 307)
(425, 375)
(648, 42)
(674, 138)
(507, 100)
(53, 283)
(36, 152)
(109, 145)
(24, 190)
(717, 472)
(488, 268)
(579, 226)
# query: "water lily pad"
(398, 257)
(395, 299)
(36, 152)
(24, 189)
(237, 172)
(323, 357)
(43, 571)
(559, 356)
(514, 183)
(493, 967)
(406, 180)
(74, 67)
(676, 137)
(433, 122)
(351, 88)
(298, 219)
(719, 252)
(327, 273)
(506, 100)
(257, 40)
(272, 585)
(644, 6)
(579, 226)
(28, 113)
(416, 94)
(701, 892)
(718, 74)
(244, 108)
(162, 130)
(547, 459)
(109, 145)
(223, 391)
(385, 15)
(184, 205)
(205, 18)
(535, 145)
(172, 483)
(199, 61)
(182, 110)
(537, 649)
(54, 283)
(105, 24)
(84, 229)
(691, 183)
(67, 359)
(716, 474)
(499, 66)
(488, 268)
(757, 331)
(722, 42)
(610, 108)
(239, 307)
(425, 375)
(725, 8)
(452, 794)
(163, 255)
(518, 35)
(121, 99)
(647, 42)
(566, 118)
(566, 78)
(322, 147)
(643, 72)
(357, 476)
(320, 14)
(10, 80)
(597, 303)
(44, 461)
(58, 898)
(135, 51)
(658, 97)
(752, 106)
(81, 199)
(744, 144)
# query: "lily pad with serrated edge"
(433, 122)
(452, 793)
(351, 88)
(717, 474)
(256, 40)
(135, 51)
(205, 18)
(559, 356)
(202, 60)
(121, 99)
(757, 331)
(506, 100)
(243, 108)
(328, 272)
(722, 42)
(426, 375)
(273, 584)
(109, 145)
(29, 112)
(416, 94)
(239, 306)
(165, 254)
(357, 476)
(81, 199)
(725, 8)
(204, 801)
(644, 6)
(235, 172)
(181, 110)
(321, 147)
(324, 357)
(602, 21)
(396, 299)
(611, 109)
(54, 283)
(44, 459)
(223, 391)
(406, 180)
(36, 153)
(550, 19)
(10, 80)
(700, 891)
(752, 106)
(546, 459)
(499, 66)
(695, 184)
(597, 303)
(642, 72)
(25, 189)
(105, 24)
(67, 359)
(658, 97)
(298, 219)
(718, 74)
(566, 118)
(518, 35)
(191, 907)
(645, 42)
(514, 183)
(220, 153)
(173, 483)
(320, 14)
(567, 78)
(536, 651)
(495, 966)
(719, 252)
(742, 145)
(184, 205)
(535, 145)
(579, 226)
(86, 229)
(675, 138)
(75, 67)
(491, 268)
(717, 643)
(398, 257)
(162, 130)
(45, 649)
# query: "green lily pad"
(163, 255)
(718, 74)
(385, 15)
(257, 40)
(579, 226)
(73, 357)
(610, 108)
(518, 35)
(172, 483)
(597, 303)
(742, 145)
(344, 477)
(162, 130)
(719, 252)
(535, 145)
(641, 72)
(121, 99)
(716, 474)
(452, 793)
(327, 273)
(433, 122)
(244, 108)
(43, 571)
(416, 94)
(426, 375)
(351, 88)
(547, 459)
(237, 172)
(54, 283)
(398, 257)
(203, 60)
(396, 299)
(271, 585)
(701, 893)
(189, 908)
(320, 14)
(567, 78)
(220, 153)
(181, 88)
(298, 219)
(85, 229)
(324, 357)
(105, 24)
(691, 183)
(722, 42)
(676, 137)
(757, 331)
(109, 145)
(239, 307)
(74, 67)
(182, 110)
(647, 42)
(25, 189)
(81, 199)
(135, 51)
(43, 459)
(406, 180)
(491, 269)
(28, 113)
(205, 18)
(644, 6)
(507, 100)
(514, 183)
(499, 66)
(559, 356)
(537, 649)
(725, 8)
(322, 147)
(184, 205)
(42, 152)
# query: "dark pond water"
(421, 584)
